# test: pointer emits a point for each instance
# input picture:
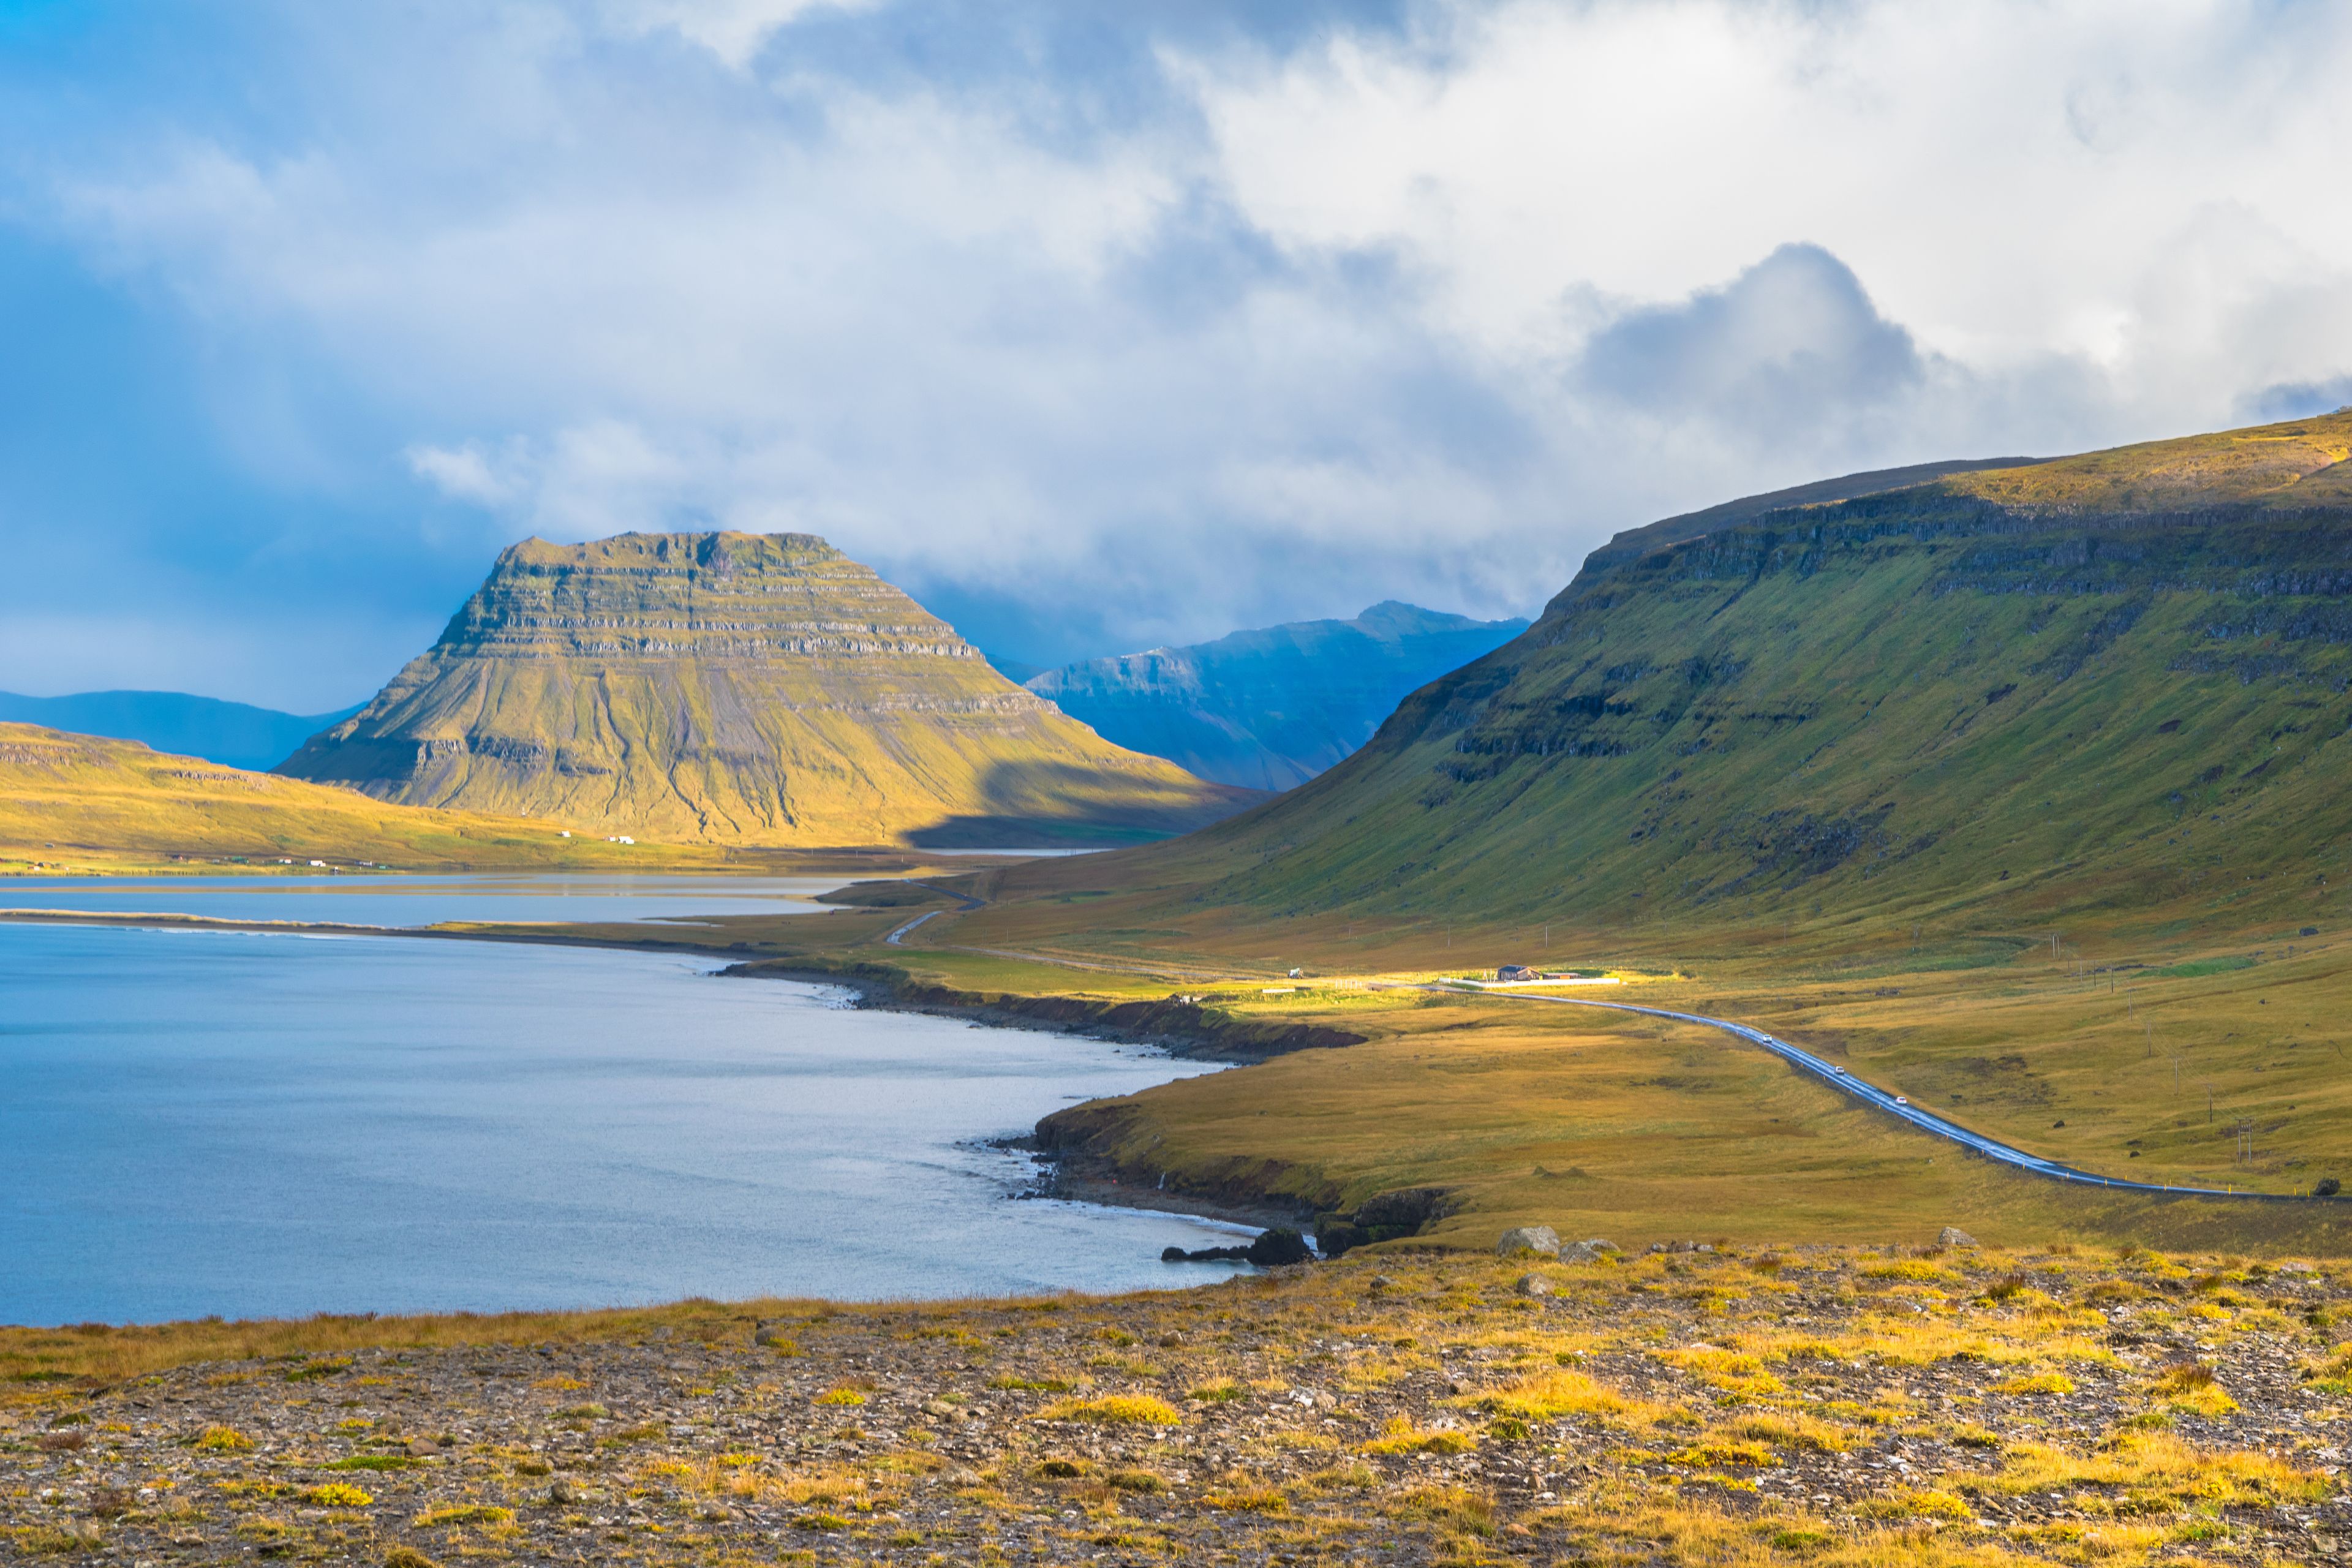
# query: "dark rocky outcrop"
(1384, 1217)
(1271, 1249)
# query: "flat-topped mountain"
(759, 689)
(1271, 707)
(2108, 686)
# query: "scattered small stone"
(678, 1444)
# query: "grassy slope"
(737, 689)
(1915, 710)
(80, 801)
(1793, 762)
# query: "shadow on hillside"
(1078, 817)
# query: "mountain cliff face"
(743, 688)
(1272, 708)
(2114, 682)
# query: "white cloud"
(2010, 178)
(1422, 314)
(467, 473)
(734, 31)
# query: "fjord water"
(202, 1121)
(383, 900)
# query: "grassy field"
(1846, 1408)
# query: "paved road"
(1892, 1105)
(892, 939)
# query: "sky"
(1094, 326)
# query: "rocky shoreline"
(1181, 1029)
(1075, 1176)
(1069, 1169)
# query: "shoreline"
(1182, 1030)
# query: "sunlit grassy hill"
(75, 801)
(2110, 687)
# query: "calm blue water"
(204, 1122)
(404, 901)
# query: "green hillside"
(2112, 685)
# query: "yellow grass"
(1115, 1409)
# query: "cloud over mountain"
(1093, 330)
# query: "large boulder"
(1280, 1245)
(1205, 1254)
(1541, 1239)
(1953, 1236)
(1335, 1235)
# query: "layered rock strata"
(734, 687)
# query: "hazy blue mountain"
(233, 732)
(1272, 708)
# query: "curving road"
(1894, 1105)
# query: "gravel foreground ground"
(1805, 1406)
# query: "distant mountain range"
(1272, 708)
(738, 687)
(2106, 687)
(233, 732)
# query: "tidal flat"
(1852, 1407)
